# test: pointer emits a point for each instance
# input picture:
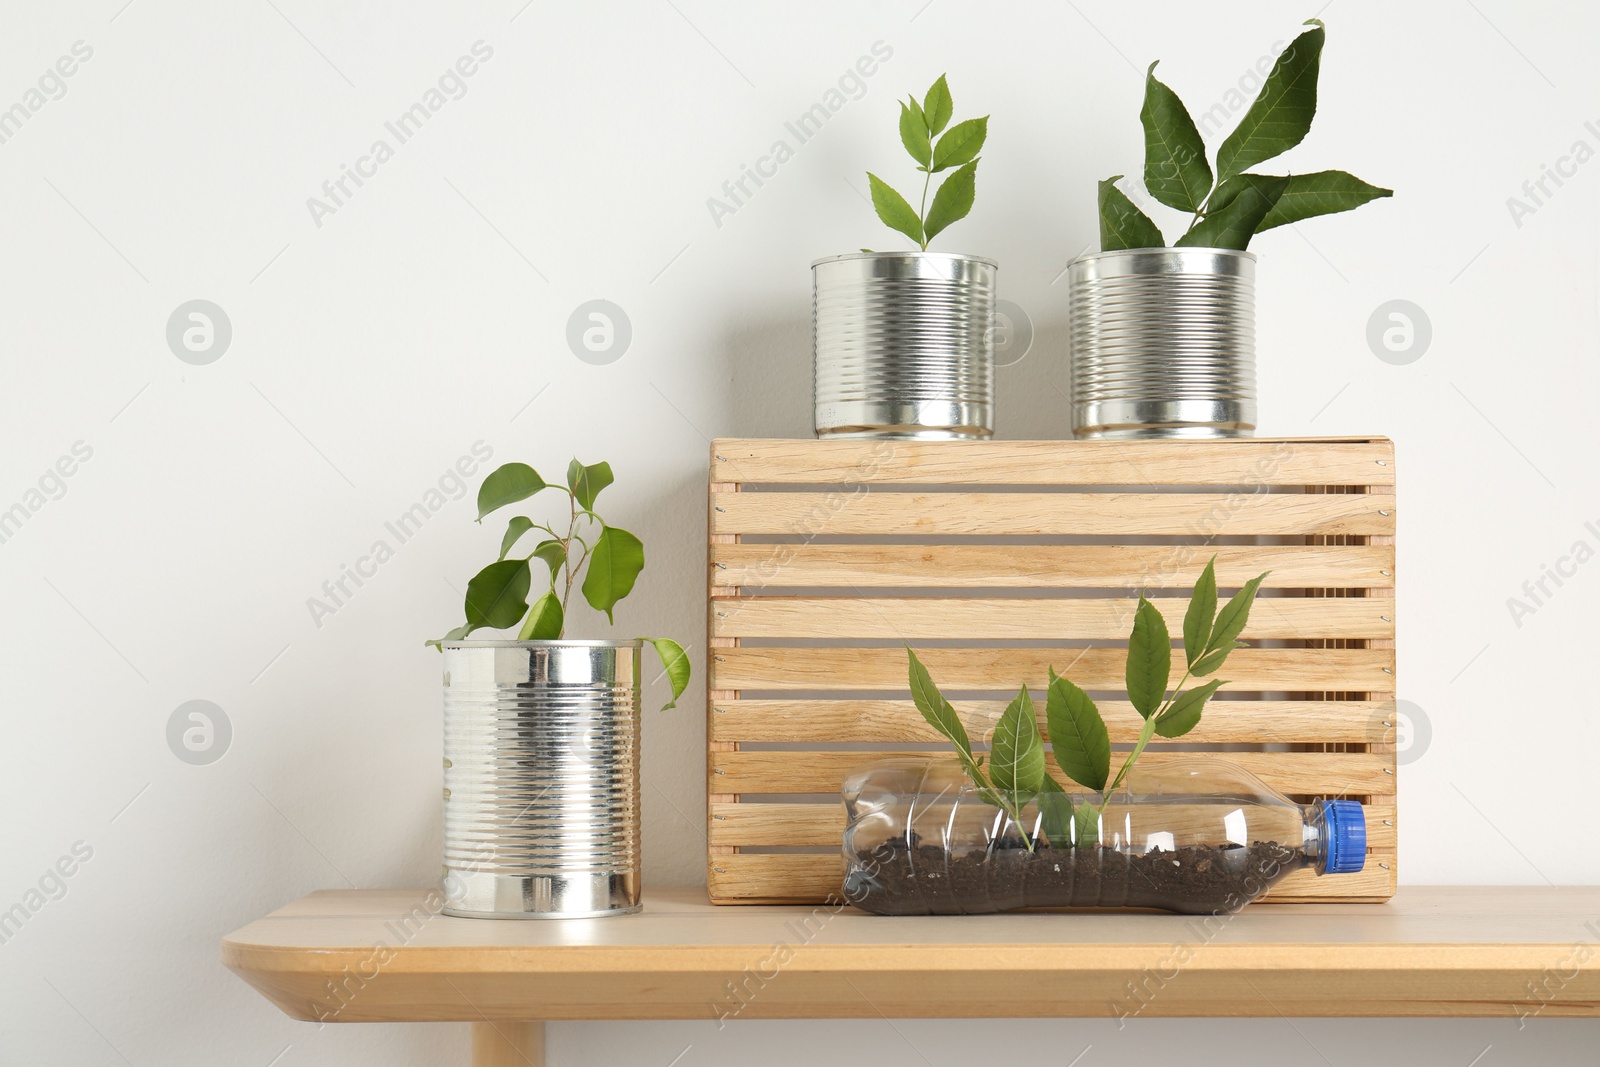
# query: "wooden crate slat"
(824, 556)
(1252, 669)
(1045, 566)
(1315, 773)
(1225, 721)
(1358, 461)
(1061, 514)
(820, 825)
(1066, 619)
(804, 879)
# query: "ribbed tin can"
(541, 778)
(1163, 343)
(904, 345)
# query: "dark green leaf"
(1324, 192)
(953, 200)
(454, 635)
(1149, 659)
(1078, 736)
(614, 564)
(1122, 225)
(554, 554)
(960, 144)
(1282, 112)
(1055, 813)
(519, 525)
(1202, 609)
(1175, 167)
(1086, 826)
(1210, 663)
(1239, 206)
(1016, 752)
(508, 484)
(544, 621)
(936, 709)
(936, 106)
(497, 596)
(586, 482)
(893, 210)
(914, 134)
(1233, 616)
(1184, 715)
(676, 664)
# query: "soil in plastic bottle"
(917, 879)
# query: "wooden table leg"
(507, 1044)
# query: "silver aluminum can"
(541, 778)
(904, 345)
(1163, 343)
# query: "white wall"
(371, 351)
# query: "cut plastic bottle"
(1198, 836)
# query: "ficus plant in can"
(600, 559)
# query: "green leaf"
(614, 564)
(1122, 225)
(507, 484)
(953, 200)
(1210, 662)
(1149, 659)
(553, 553)
(586, 482)
(1282, 112)
(519, 525)
(893, 210)
(1202, 609)
(1016, 752)
(1175, 167)
(1086, 826)
(936, 105)
(914, 134)
(1233, 616)
(935, 708)
(545, 621)
(960, 144)
(497, 596)
(454, 635)
(1055, 812)
(1239, 206)
(676, 664)
(1324, 192)
(1078, 736)
(1184, 715)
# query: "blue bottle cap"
(1344, 827)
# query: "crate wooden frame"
(824, 555)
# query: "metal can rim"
(636, 642)
(1170, 250)
(906, 254)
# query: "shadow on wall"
(768, 356)
(1031, 392)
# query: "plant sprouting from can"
(607, 558)
(1016, 775)
(956, 149)
(1233, 205)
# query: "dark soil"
(916, 879)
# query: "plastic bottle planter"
(1196, 836)
(541, 778)
(1163, 343)
(904, 345)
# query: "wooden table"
(387, 955)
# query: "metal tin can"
(541, 778)
(1163, 343)
(904, 345)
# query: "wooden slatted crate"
(997, 560)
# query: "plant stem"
(984, 785)
(1146, 732)
(566, 555)
(922, 211)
